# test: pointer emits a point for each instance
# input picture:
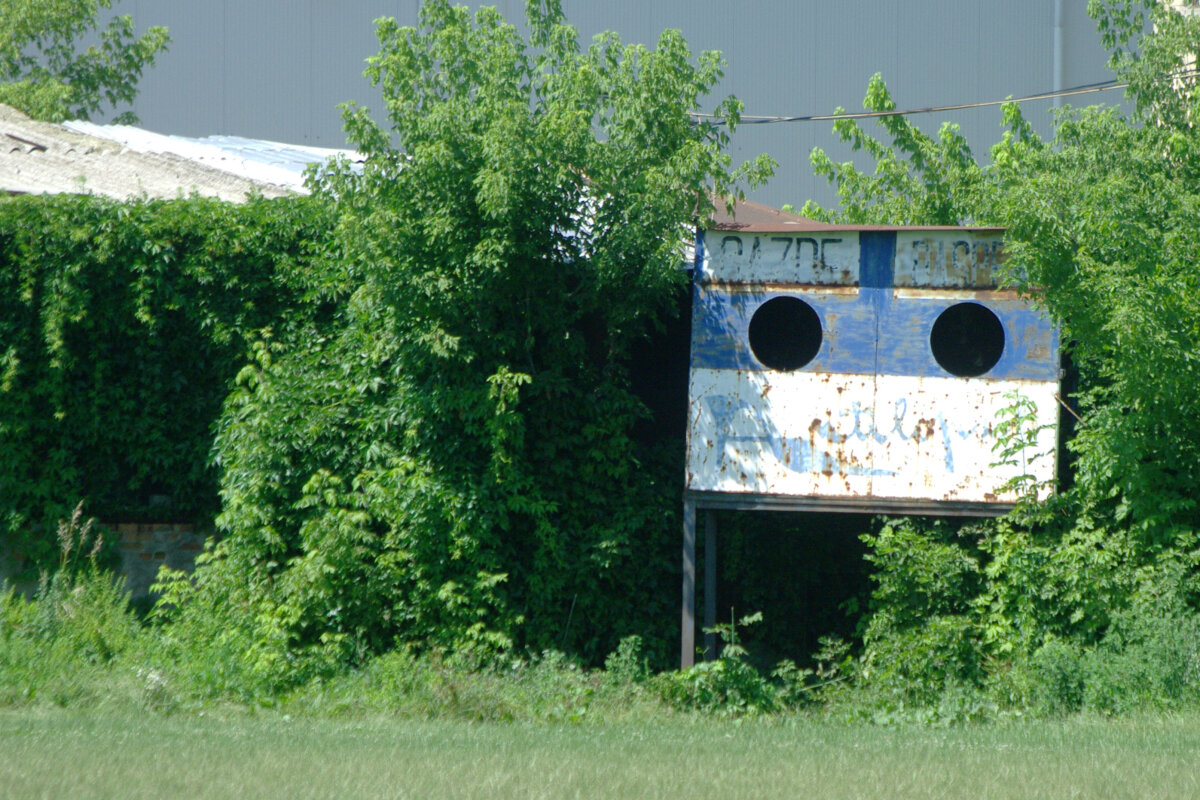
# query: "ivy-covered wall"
(122, 326)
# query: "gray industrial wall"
(276, 69)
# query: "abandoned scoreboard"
(864, 369)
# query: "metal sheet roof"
(44, 158)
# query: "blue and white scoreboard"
(862, 369)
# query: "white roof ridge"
(232, 154)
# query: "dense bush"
(122, 326)
(450, 463)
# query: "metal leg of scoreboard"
(687, 638)
(710, 584)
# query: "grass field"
(69, 754)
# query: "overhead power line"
(750, 119)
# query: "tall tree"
(45, 72)
(452, 460)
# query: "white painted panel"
(821, 259)
(941, 440)
(948, 259)
(845, 436)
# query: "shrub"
(920, 635)
(627, 665)
(450, 461)
(1057, 678)
(543, 687)
(1148, 660)
(728, 686)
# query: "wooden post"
(710, 584)
(687, 638)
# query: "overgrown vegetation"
(431, 497)
(122, 327)
(1087, 600)
(60, 646)
(76, 643)
(450, 462)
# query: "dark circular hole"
(967, 339)
(785, 333)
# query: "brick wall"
(144, 547)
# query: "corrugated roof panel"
(256, 159)
(43, 158)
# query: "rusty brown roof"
(751, 217)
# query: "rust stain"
(947, 293)
(751, 286)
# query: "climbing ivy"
(122, 326)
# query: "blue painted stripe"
(850, 345)
(876, 259)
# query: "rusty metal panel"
(878, 417)
(958, 259)
(809, 259)
(868, 330)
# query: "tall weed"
(61, 646)
(479, 687)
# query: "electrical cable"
(749, 119)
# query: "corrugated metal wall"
(276, 69)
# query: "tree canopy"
(45, 72)
(1103, 230)
(452, 461)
